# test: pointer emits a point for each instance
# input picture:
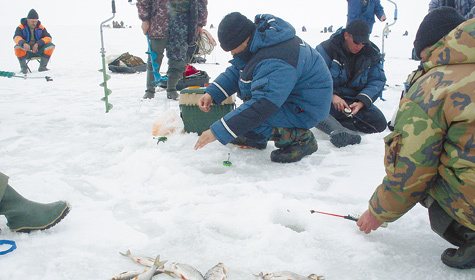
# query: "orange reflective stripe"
(46, 40)
(20, 52)
(49, 51)
(17, 39)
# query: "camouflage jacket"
(157, 13)
(432, 148)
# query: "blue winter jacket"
(368, 78)
(284, 83)
(357, 11)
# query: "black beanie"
(32, 14)
(435, 26)
(234, 30)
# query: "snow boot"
(148, 95)
(43, 63)
(293, 143)
(340, 136)
(23, 65)
(176, 70)
(245, 142)
(463, 257)
(24, 215)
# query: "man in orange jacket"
(32, 40)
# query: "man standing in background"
(171, 25)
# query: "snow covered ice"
(128, 192)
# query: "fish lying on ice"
(147, 261)
(287, 275)
(184, 271)
(128, 275)
(148, 274)
(217, 272)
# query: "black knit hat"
(435, 26)
(359, 30)
(233, 30)
(32, 14)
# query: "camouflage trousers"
(176, 45)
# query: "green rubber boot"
(24, 215)
(340, 136)
(43, 63)
(23, 65)
(293, 143)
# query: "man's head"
(32, 18)
(435, 26)
(234, 31)
(356, 35)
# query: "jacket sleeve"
(18, 37)
(225, 85)
(379, 10)
(374, 85)
(144, 8)
(202, 12)
(45, 39)
(412, 157)
(272, 84)
(328, 61)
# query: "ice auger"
(106, 77)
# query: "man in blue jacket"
(365, 10)
(284, 83)
(358, 79)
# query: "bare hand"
(199, 30)
(35, 48)
(383, 18)
(356, 107)
(368, 222)
(145, 27)
(26, 47)
(339, 103)
(205, 102)
(205, 138)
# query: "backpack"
(127, 63)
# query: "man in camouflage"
(171, 25)
(430, 155)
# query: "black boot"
(293, 143)
(24, 215)
(463, 257)
(340, 136)
(43, 63)
(23, 65)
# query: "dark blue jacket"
(356, 10)
(363, 83)
(284, 83)
(22, 34)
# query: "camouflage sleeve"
(144, 8)
(412, 156)
(202, 12)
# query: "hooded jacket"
(284, 83)
(365, 82)
(157, 13)
(23, 35)
(432, 148)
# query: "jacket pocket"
(392, 149)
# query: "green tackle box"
(196, 120)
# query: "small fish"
(287, 275)
(147, 261)
(149, 273)
(184, 271)
(217, 272)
